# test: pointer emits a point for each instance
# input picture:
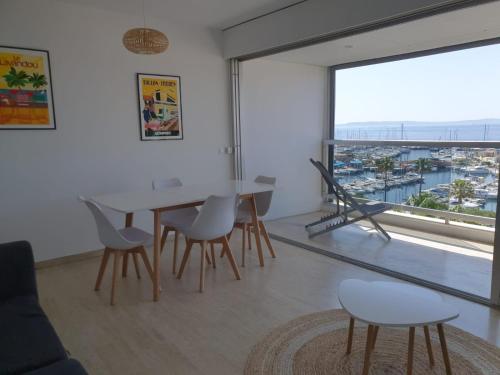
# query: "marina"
(356, 169)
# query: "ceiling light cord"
(143, 13)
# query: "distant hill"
(481, 122)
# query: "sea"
(477, 130)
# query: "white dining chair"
(212, 224)
(119, 243)
(244, 219)
(171, 220)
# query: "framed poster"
(160, 110)
(25, 89)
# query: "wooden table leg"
(411, 341)
(429, 346)
(255, 221)
(129, 219)
(444, 348)
(368, 350)
(176, 245)
(156, 255)
(349, 337)
(375, 333)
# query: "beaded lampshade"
(145, 41)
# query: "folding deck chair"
(340, 218)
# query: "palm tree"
(15, 78)
(385, 165)
(37, 80)
(462, 189)
(423, 165)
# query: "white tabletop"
(384, 303)
(149, 199)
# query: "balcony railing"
(476, 162)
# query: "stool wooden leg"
(444, 348)
(368, 349)
(411, 341)
(429, 346)
(349, 337)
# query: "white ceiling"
(217, 14)
(461, 26)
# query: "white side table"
(389, 304)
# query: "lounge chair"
(349, 205)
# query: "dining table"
(173, 198)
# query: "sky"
(453, 86)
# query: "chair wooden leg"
(174, 257)
(116, 266)
(136, 265)
(145, 259)
(349, 337)
(243, 244)
(185, 258)
(212, 251)
(266, 238)
(249, 238)
(444, 349)
(230, 257)
(429, 346)
(102, 268)
(207, 257)
(163, 238)
(125, 264)
(411, 341)
(202, 265)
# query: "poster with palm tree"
(25, 89)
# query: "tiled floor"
(210, 333)
(453, 263)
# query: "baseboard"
(68, 259)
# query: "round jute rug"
(315, 344)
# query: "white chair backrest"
(108, 234)
(165, 183)
(215, 219)
(263, 200)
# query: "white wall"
(315, 18)
(96, 147)
(283, 115)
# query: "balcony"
(442, 231)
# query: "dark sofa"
(28, 342)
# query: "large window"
(453, 96)
(423, 134)
(447, 96)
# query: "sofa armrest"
(65, 367)
(17, 270)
